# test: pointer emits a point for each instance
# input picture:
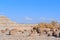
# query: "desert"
(41, 31)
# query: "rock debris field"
(10, 30)
(25, 36)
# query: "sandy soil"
(25, 36)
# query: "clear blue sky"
(30, 11)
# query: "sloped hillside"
(4, 22)
(7, 23)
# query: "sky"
(30, 11)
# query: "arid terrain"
(10, 30)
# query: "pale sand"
(24, 36)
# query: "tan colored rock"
(49, 33)
(7, 29)
(3, 31)
(12, 32)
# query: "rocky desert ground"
(10, 30)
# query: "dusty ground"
(7, 23)
(25, 36)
